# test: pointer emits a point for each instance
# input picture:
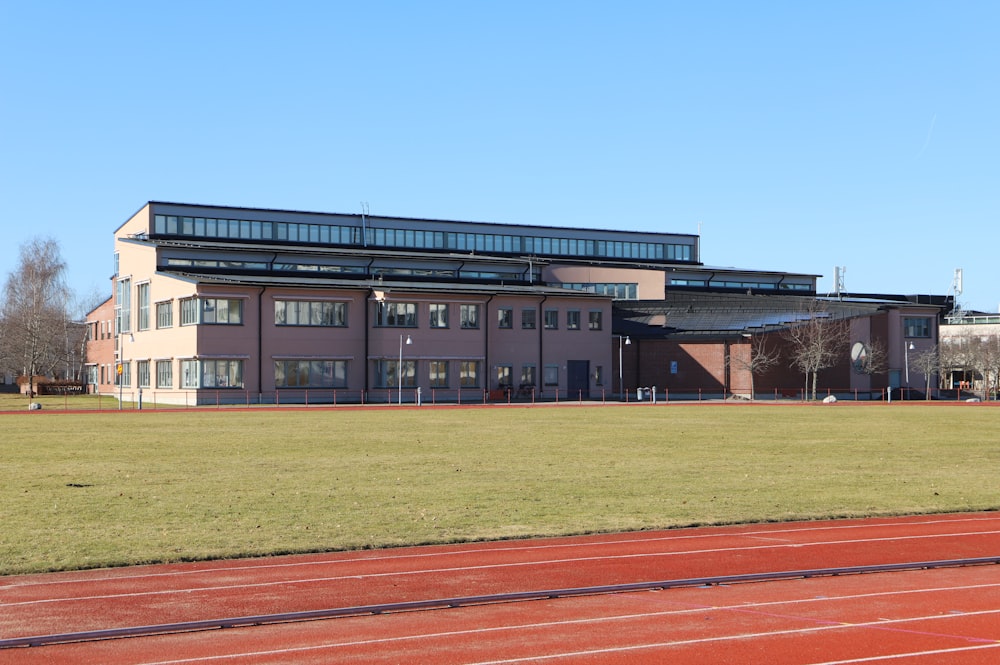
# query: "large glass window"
(397, 314)
(123, 306)
(470, 316)
(387, 373)
(917, 327)
(189, 374)
(211, 311)
(142, 291)
(222, 373)
(309, 313)
(310, 373)
(439, 315)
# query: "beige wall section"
(652, 283)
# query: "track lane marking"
(436, 571)
(520, 548)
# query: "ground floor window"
(310, 373)
(164, 374)
(211, 373)
(142, 370)
(387, 373)
(439, 373)
(505, 375)
(551, 375)
(469, 374)
(528, 375)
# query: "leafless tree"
(34, 315)
(928, 363)
(818, 342)
(759, 360)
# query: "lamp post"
(907, 347)
(399, 369)
(621, 385)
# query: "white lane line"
(21, 583)
(826, 626)
(438, 571)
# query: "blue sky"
(798, 136)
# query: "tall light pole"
(399, 369)
(906, 360)
(621, 385)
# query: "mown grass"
(101, 489)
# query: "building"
(238, 305)
(970, 353)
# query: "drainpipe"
(260, 343)
(486, 337)
(540, 322)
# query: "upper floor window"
(310, 313)
(397, 314)
(164, 314)
(573, 319)
(123, 306)
(470, 316)
(439, 315)
(211, 311)
(551, 319)
(595, 321)
(917, 327)
(528, 317)
(505, 317)
(142, 293)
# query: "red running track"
(930, 616)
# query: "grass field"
(116, 488)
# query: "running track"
(909, 617)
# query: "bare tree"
(35, 312)
(760, 359)
(818, 342)
(928, 363)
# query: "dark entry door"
(578, 379)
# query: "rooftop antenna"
(838, 279)
(364, 223)
(956, 291)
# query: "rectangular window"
(505, 317)
(573, 319)
(595, 319)
(310, 373)
(439, 373)
(222, 373)
(125, 379)
(551, 319)
(469, 374)
(599, 375)
(917, 327)
(189, 374)
(387, 376)
(164, 314)
(142, 371)
(397, 314)
(164, 374)
(310, 313)
(528, 377)
(528, 317)
(142, 292)
(551, 375)
(439, 315)
(505, 374)
(470, 316)
(123, 306)
(221, 311)
(189, 311)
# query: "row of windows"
(229, 311)
(917, 327)
(618, 291)
(228, 373)
(330, 234)
(740, 284)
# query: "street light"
(906, 360)
(399, 369)
(621, 385)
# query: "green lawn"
(114, 488)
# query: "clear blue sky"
(799, 135)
